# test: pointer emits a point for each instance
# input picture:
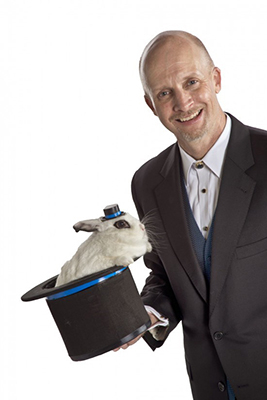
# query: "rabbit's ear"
(89, 225)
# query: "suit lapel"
(235, 196)
(170, 203)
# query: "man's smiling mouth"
(190, 117)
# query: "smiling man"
(181, 84)
(207, 197)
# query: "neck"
(199, 150)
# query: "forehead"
(173, 59)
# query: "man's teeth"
(190, 117)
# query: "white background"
(74, 128)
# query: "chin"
(189, 138)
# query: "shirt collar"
(215, 157)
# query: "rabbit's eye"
(121, 224)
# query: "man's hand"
(153, 320)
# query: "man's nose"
(182, 101)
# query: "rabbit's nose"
(142, 227)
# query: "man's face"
(182, 89)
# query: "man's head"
(181, 85)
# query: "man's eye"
(164, 93)
(121, 224)
(192, 82)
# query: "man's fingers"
(126, 345)
(153, 319)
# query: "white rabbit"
(117, 241)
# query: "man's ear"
(217, 79)
(150, 104)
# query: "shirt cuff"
(162, 320)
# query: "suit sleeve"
(157, 291)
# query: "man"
(207, 194)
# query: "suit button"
(221, 387)
(218, 335)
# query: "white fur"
(106, 247)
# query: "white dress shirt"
(202, 182)
(203, 179)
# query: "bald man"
(207, 196)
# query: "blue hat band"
(117, 214)
(77, 289)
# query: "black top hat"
(95, 314)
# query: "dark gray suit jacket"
(224, 325)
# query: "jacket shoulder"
(258, 139)
(257, 131)
(153, 166)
